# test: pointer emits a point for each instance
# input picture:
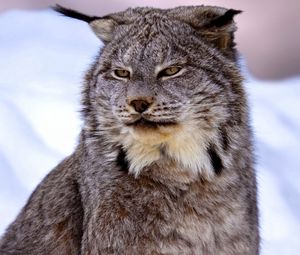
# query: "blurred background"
(43, 58)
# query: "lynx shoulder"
(164, 163)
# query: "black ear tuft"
(102, 26)
(74, 14)
(223, 20)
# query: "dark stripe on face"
(122, 162)
(215, 160)
(224, 139)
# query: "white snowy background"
(43, 57)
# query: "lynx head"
(165, 86)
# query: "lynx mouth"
(144, 123)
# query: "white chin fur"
(184, 144)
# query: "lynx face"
(162, 87)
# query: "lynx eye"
(170, 71)
(122, 73)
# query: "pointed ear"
(103, 27)
(220, 30)
(216, 24)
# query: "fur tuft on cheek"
(189, 149)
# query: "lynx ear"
(103, 27)
(214, 23)
(220, 30)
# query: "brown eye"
(170, 71)
(122, 73)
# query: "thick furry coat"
(164, 163)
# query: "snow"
(43, 60)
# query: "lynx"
(164, 162)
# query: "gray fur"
(179, 182)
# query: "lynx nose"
(141, 104)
